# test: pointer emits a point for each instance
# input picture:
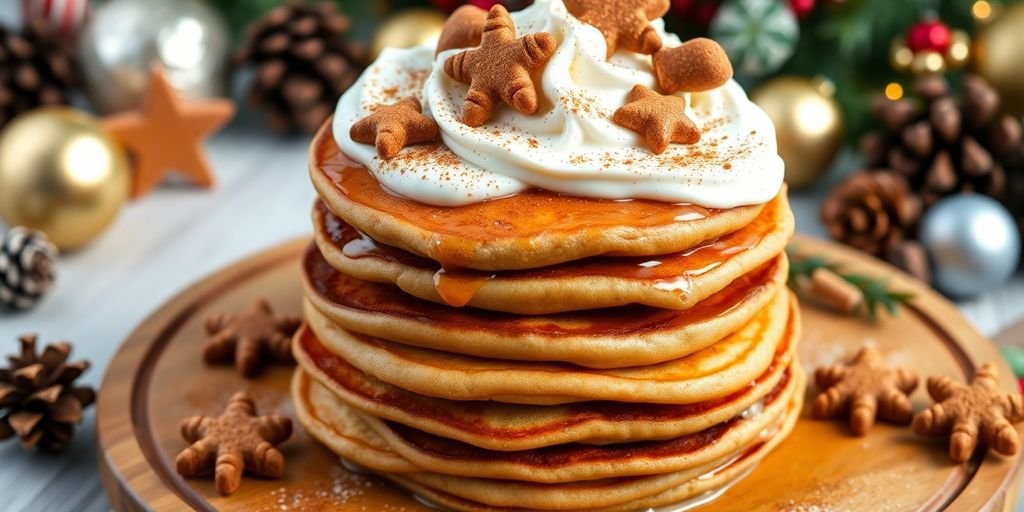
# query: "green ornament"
(758, 35)
(1015, 358)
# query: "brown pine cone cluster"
(302, 62)
(39, 401)
(876, 212)
(36, 69)
(944, 146)
(928, 148)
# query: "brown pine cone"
(27, 264)
(944, 146)
(38, 399)
(36, 69)
(302, 64)
(876, 212)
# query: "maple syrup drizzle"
(672, 272)
(523, 216)
(703, 259)
(458, 287)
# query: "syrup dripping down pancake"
(713, 372)
(674, 281)
(508, 427)
(481, 494)
(527, 230)
(620, 337)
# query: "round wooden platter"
(158, 378)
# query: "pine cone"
(36, 69)
(876, 212)
(27, 261)
(302, 64)
(944, 146)
(38, 400)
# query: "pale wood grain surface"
(170, 239)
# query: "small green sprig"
(876, 292)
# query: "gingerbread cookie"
(660, 119)
(234, 442)
(972, 413)
(500, 68)
(392, 127)
(865, 390)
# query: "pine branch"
(876, 292)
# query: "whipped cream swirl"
(570, 145)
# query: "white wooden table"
(168, 240)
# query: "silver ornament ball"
(973, 242)
(125, 38)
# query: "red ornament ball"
(1020, 385)
(447, 5)
(802, 8)
(66, 16)
(931, 35)
(700, 12)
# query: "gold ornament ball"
(808, 125)
(998, 56)
(62, 174)
(406, 29)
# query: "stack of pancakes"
(541, 351)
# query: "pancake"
(674, 281)
(612, 494)
(713, 372)
(502, 426)
(574, 462)
(527, 230)
(628, 336)
(475, 495)
(340, 428)
(506, 427)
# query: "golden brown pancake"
(574, 462)
(527, 230)
(612, 494)
(507, 495)
(712, 372)
(674, 281)
(620, 337)
(507, 427)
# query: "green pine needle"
(876, 292)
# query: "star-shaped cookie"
(234, 442)
(864, 389)
(392, 127)
(660, 119)
(167, 134)
(250, 338)
(624, 23)
(971, 413)
(500, 68)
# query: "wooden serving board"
(158, 378)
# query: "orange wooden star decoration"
(167, 134)
(624, 23)
(500, 68)
(660, 119)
